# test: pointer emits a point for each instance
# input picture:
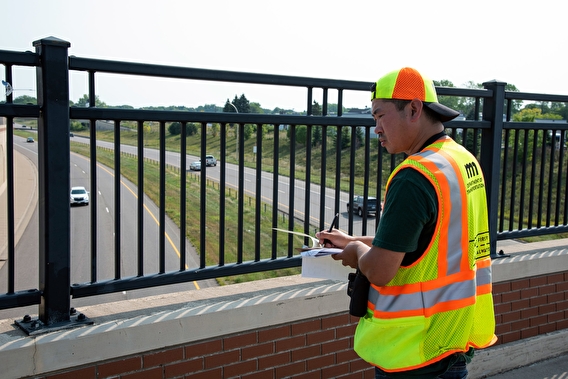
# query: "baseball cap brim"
(444, 113)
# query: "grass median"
(129, 169)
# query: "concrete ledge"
(531, 259)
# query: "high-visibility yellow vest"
(442, 303)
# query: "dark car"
(30, 139)
(359, 205)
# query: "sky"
(520, 42)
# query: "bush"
(174, 128)
(76, 126)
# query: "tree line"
(466, 105)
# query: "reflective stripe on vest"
(460, 287)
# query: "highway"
(26, 251)
(212, 173)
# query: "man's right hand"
(335, 238)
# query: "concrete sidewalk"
(553, 368)
(541, 357)
(25, 200)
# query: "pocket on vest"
(391, 344)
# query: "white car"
(79, 195)
(195, 166)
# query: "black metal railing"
(524, 165)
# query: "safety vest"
(442, 303)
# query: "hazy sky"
(520, 42)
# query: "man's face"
(391, 126)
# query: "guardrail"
(524, 165)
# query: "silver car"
(195, 166)
(210, 160)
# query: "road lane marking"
(147, 210)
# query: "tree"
(25, 99)
(215, 129)
(256, 108)
(229, 108)
(242, 104)
(345, 137)
(316, 136)
(248, 131)
(466, 105)
(301, 134)
(84, 102)
(316, 109)
(207, 108)
(559, 109)
(449, 101)
(192, 129)
(278, 110)
(360, 137)
(77, 126)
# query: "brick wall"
(316, 348)
(531, 306)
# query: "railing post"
(54, 180)
(491, 139)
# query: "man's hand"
(351, 254)
(335, 238)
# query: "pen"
(327, 242)
(334, 222)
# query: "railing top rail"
(19, 59)
(117, 114)
(535, 126)
(155, 70)
(467, 92)
(527, 96)
(218, 117)
(19, 110)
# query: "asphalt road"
(26, 261)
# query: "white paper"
(324, 267)
(320, 252)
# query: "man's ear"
(415, 109)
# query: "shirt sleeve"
(409, 214)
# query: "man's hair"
(400, 104)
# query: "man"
(429, 302)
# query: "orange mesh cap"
(408, 84)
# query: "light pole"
(237, 134)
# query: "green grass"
(173, 143)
